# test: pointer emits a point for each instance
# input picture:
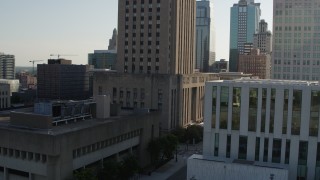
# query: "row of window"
(296, 108)
(105, 143)
(275, 154)
(24, 155)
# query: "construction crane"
(58, 55)
(33, 61)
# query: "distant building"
(220, 66)
(59, 79)
(7, 66)
(205, 36)
(5, 101)
(256, 64)
(263, 39)
(103, 59)
(27, 81)
(244, 23)
(113, 41)
(14, 84)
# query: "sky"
(34, 29)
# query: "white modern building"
(269, 121)
(296, 39)
(205, 36)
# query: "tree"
(85, 174)
(129, 167)
(169, 144)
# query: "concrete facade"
(296, 40)
(36, 154)
(156, 36)
(271, 121)
(207, 168)
(179, 98)
(256, 64)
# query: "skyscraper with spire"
(244, 23)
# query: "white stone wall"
(280, 86)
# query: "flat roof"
(237, 161)
(70, 127)
(269, 81)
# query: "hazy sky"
(34, 29)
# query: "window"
(276, 151)
(253, 109)
(314, 113)
(296, 112)
(263, 110)
(257, 151)
(236, 108)
(302, 161)
(285, 111)
(272, 109)
(265, 150)
(228, 146)
(214, 106)
(243, 140)
(216, 144)
(224, 103)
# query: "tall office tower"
(296, 40)
(263, 39)
(155, 62)
(205, 36)
(59, 79)
(113, 40)
(244, 23)
(7, 66)
(156, 36)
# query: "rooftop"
(270, 81)
(70, 126)
(236, 161)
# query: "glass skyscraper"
(205, 37)
(244, 23)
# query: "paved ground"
(175, 170)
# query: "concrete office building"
(244, 23)
(269, 121)
(113, 41)
(263, 39)
(39, 146)
(155, 63)
(7, 66)
(205, 36)
(256, 64)
(296, 40)
(103, 59)
(59, 79)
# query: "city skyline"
(34, 31)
